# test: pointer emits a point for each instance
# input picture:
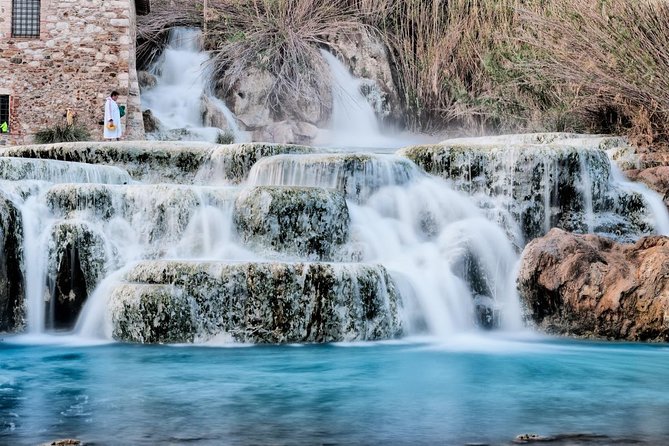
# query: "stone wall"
(85, 50)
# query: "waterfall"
(354, 123)
(182, 90)
(454, 263)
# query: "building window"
(25, 18)
(4, 113)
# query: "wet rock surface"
(356, 175)
(545, 180)
(12, 283)
(305, 221)
(154, 161)
(77, 261)
(232, 163)
(590, 286)
(176, 301)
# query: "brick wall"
(86, 49)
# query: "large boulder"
(287, 132)
(146, 80)
(12, 284)
(544, 180)
(248, 99)
(590, 286)
(305, 221)
(177, 301)
(656, 178)
(212, 114)
(151, 122)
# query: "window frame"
(5, 114)
(26, 19)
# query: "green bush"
(62, 133)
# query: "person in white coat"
(113, 128)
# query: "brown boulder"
(656, 178)
(590, 286)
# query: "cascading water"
(451, 257)
(435, 241)
(354, 122)
(181, 91)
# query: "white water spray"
(182, 86)
(354, 123)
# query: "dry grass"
(282, 37)
(153, 30)
(478, 66)
(615, 54)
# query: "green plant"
(62, 133)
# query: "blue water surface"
(392, 394)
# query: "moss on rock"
(305, 221)
(268, 302)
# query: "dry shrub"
(480, 66)
(153, 30)
(454, 63)
(615, 53)
(282, 37)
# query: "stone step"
(266, 302)
(306, 221)
(356, 175)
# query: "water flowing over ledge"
(449, 246)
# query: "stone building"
(60, 54)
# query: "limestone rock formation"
(232, 163)
(591, 286)
(305, 221)
(146, 80)
(77, 261)
(15, 169)
(545, 180)
(368, 59)
(159, 214)
(178, 301)
(212, 114)
(356, 175)
(154, 161)
(286, 132)
(151, 123)
(656, 178)
(149, 161)
(12, 284)
(248, 99)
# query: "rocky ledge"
(153, 161)
(590, 286)
(265, 302)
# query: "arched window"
(25, 18)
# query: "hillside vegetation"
(465, 66)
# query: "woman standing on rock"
(112, 129)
